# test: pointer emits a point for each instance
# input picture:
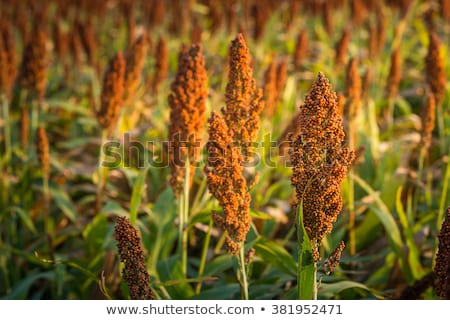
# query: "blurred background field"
(57, 235)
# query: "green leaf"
(95, 233)
(64, 203)
(329, 290)
(413, 250)
(387, 220)
(274, 254)
(218, 265)
(25, 217)
(220, 292)
(136, 195)
(20, 291)
(306, 268)
(260, 215)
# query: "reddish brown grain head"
(161, 64)
(112, 93)
(227, 183)
(88, 38)
(187, 102)
(282, 69)
(341, 49)
(60, 40)
(33, 70)
(42, 151)
(442, 268)
(327, 16)
(352, 90)
(243, 102)
(428, 117)
(333, 260)
(320, 161)
(301, 48)
(435, 68)
(131, 253)
(8, 59)
(269, 88)
(135, 59)
(395, 73)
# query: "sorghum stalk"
(32, 78)
(393, 83)
(428, 119)
(436, 79)
(43, 154)
(108, 114)
(320, 164)
(352, 109)
(228, 185)
(187, 102)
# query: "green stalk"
(201, 268)
(101, 172)
(441, 127)
(4, 162)
(183, 214)
(351, 192)
(442, 203)
(48, 232)
(306, 267)
(243, 273)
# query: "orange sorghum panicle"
(435, 68)
(242, 99)
(227, 183)
(428, 117)
(187, 102)
(33, 71)
(112, 93)
(134, 62)
(394, 77)
(320, 161)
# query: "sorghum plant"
(320, 164)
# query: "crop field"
(224, 149)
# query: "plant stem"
(351, 193)
(201, 268)
(442, 203)
(101, 172)
(243, 273)
(306, 267)
(184, 217)
(48, 232)
(4, 162)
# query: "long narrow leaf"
(136, 195)
(306, 270)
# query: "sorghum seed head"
(435, 68)
(112, 93)
(187, 102)
(442, 267)
(320, 161)
(131, 253)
